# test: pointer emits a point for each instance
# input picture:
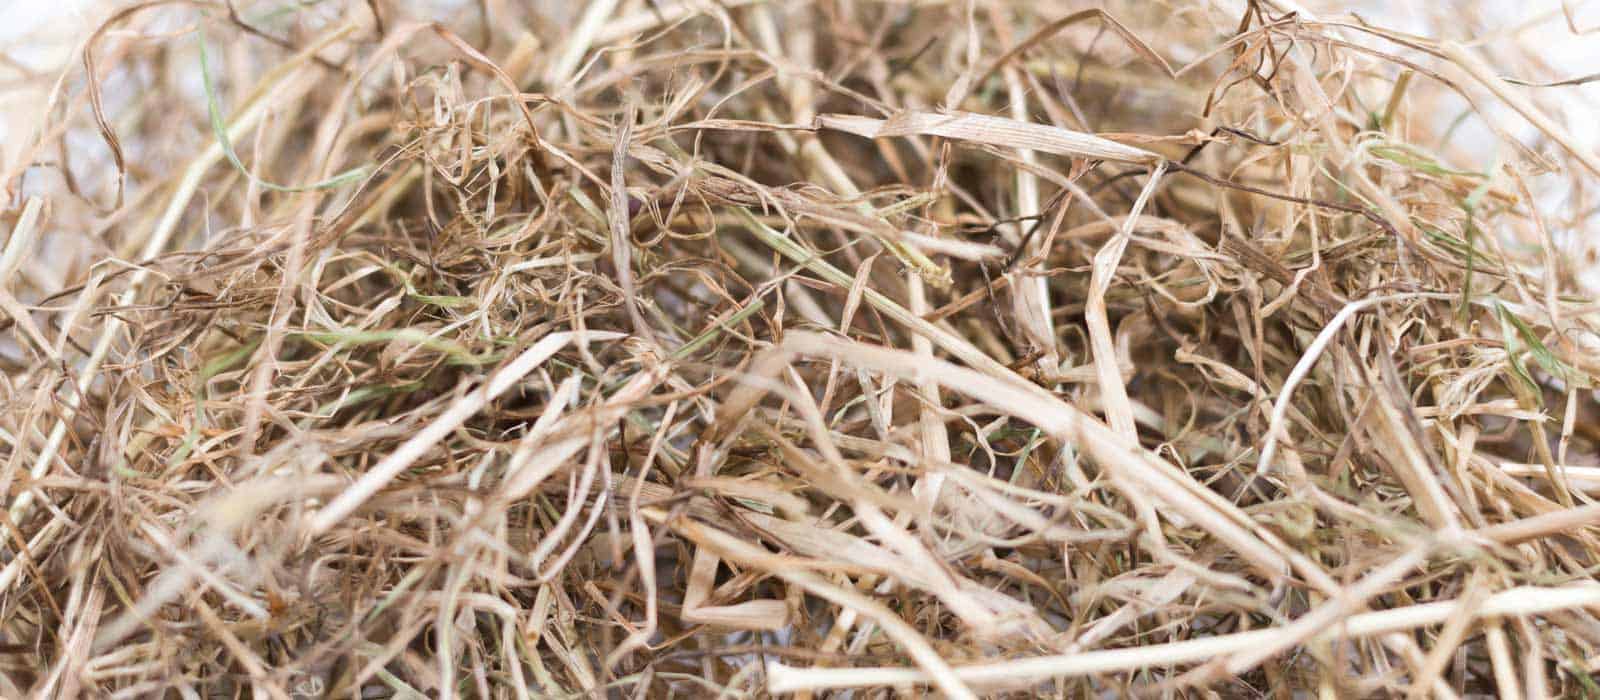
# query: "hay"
(658, 348)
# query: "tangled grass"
(650, 348)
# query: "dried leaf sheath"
(994, 131)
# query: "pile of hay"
(680, 348)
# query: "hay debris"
(656, 349)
